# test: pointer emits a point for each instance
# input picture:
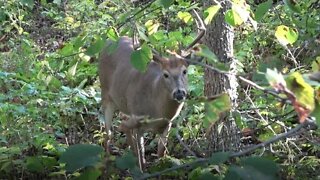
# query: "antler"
(202, 29)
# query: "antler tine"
(202, 29)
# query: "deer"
(158, 94)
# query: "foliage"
(50, 96)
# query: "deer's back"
(133, 92)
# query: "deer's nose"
(179, 94)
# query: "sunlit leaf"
(262, 9)
(304, 94)
(184, 16)
(316, 64)
(233, 18)
(112, 34)
(152, 26)
(242, 10)
(210, 12)
(275, 79)
(69, 20)
(80, 156)
(286, 35)
(140, 58)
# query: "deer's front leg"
(140, 149)
(134, 139)
(163, 140)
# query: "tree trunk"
(219, 38)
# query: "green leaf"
(210, 12)
(204, 51)
(262, 9)
(293, 5)
(34, 164)
(185, 16)
(73, 69)
(219, 158)
(262, 165)
(3, 16)
(233, 18)
(79, 42)
(166, 3)
(316, 111)
(247, 173)
(112, 34)
(28, 3)
(207, 176)
(216, 106)
(80, 156)
(127, 161)
(112, 47)
(140, 58)
(67, 50)
(96, 47)
(286, 35)
(90, 173)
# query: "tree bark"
(223, 135)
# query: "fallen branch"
(298, 129)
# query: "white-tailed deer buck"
(157, 94)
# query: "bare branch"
(132, 16)
(202, 29)
(298, 129)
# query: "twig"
(61, 57)
(268, 91)
(207, 66)
(132, 16)
(272, 140)
(185, 146)
(292, 132)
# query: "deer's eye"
(166, 75)
(184, 71)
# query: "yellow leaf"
(303, 91)
(286, 35)
(152, 26)
(185, 16)
(316, 65)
